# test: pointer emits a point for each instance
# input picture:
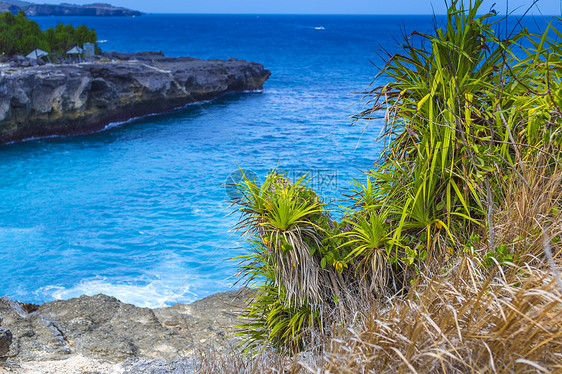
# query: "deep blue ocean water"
(139, 211)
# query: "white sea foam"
(112, 125)
(257, 90)
(151, 295)
(35, 138)
(119, 123)
(17, 230)
(170, 281)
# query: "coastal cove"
(139, 211)
(281, 193)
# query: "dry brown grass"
(460, 321)
(210, 361)
(470, 318)
(459, 316)
(464, 320)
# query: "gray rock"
(68, 99)
(33, 336)
(5, 342)
(146, 55)
(209, 322)
(102, 327)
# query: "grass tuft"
(448, 256)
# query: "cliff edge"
(67, 99)
(107, 334)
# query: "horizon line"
(319, 14)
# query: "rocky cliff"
(106, 333)
(55, 99)
(31, 9)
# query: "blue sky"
(547, 7)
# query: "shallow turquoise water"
(139, 211)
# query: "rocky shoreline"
(80, 98)
(109, 336)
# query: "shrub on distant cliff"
(20, 35)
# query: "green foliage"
(499, 255)
(270, 319)
(19, 35)
(460, 108)
(464, 111)
(288, 264)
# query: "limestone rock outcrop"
(66, 99)
(102, 327)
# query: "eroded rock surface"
(65, 99)
(5, 341)
(103, 328)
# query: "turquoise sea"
(140, 211)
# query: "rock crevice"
(5, 341)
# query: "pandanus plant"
(464, 112)
(294, 262)
(458, 108)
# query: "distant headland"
(78, 98)
(65, 9)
